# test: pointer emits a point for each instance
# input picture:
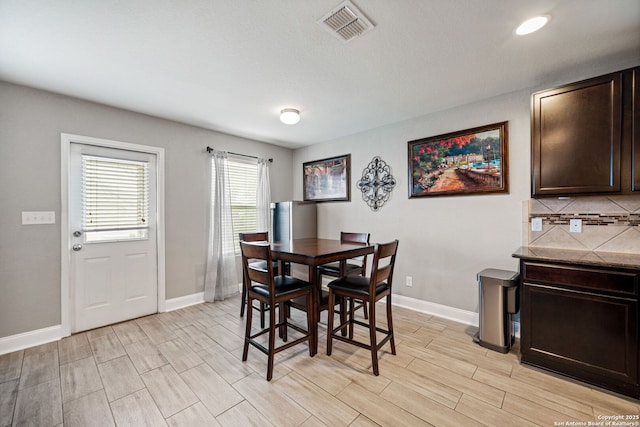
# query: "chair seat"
(333, 269)
(283, 285)
(356, 285)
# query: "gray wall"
(30, 125)
(444, 241)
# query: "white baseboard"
(184, 301)
(29, 339)
(451, 313)
(446, 312)
(53, 333)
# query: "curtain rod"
(209, 150)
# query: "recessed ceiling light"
(289, 116)
(531, 25)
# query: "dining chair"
(369, 290)
(259, 265)
(273, 290)
(354, 266)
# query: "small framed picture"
(327, 180)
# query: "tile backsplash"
(609, 224)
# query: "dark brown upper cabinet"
(632, 126)
(583, 138)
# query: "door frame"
(66, 140)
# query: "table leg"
(313, 279)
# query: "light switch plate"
(575, 226)
(39, 217)
(536, 224)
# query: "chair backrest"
(357, 238)
(354, 237)
(262, 236)
(383, 272)
(257, 251)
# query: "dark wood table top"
(314, 252)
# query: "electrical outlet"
(409, 281)
(536, 224)
(575, 226)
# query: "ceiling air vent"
(345, 22)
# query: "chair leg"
(351, 310)
(310, 330)
(374, 343)
(262, 305)
(390, 325)
(343, 315)
(247, 333)
(244, 297)
(365, 311)
(280, 320)
(330, 315)
(282, 315)
(272, 343)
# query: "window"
(243, 182)
(115, 199)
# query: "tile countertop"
(605, 259)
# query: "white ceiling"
(231, 65)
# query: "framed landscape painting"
(327, 180)
(472, 161)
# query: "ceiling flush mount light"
(531, 25)
(289, 116)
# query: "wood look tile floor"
(184, 368)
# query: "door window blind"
(115, 199)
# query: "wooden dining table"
(314, 252)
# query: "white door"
(113, 221)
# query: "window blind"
(243, 181)
(115, 197)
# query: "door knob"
(77, 247)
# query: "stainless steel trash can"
(498, 302)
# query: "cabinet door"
(635, 136)
(581, 334)
(576, 138)
(630, 156)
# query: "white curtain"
(221, 280)
(263, 196)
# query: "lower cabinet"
(582, 322)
